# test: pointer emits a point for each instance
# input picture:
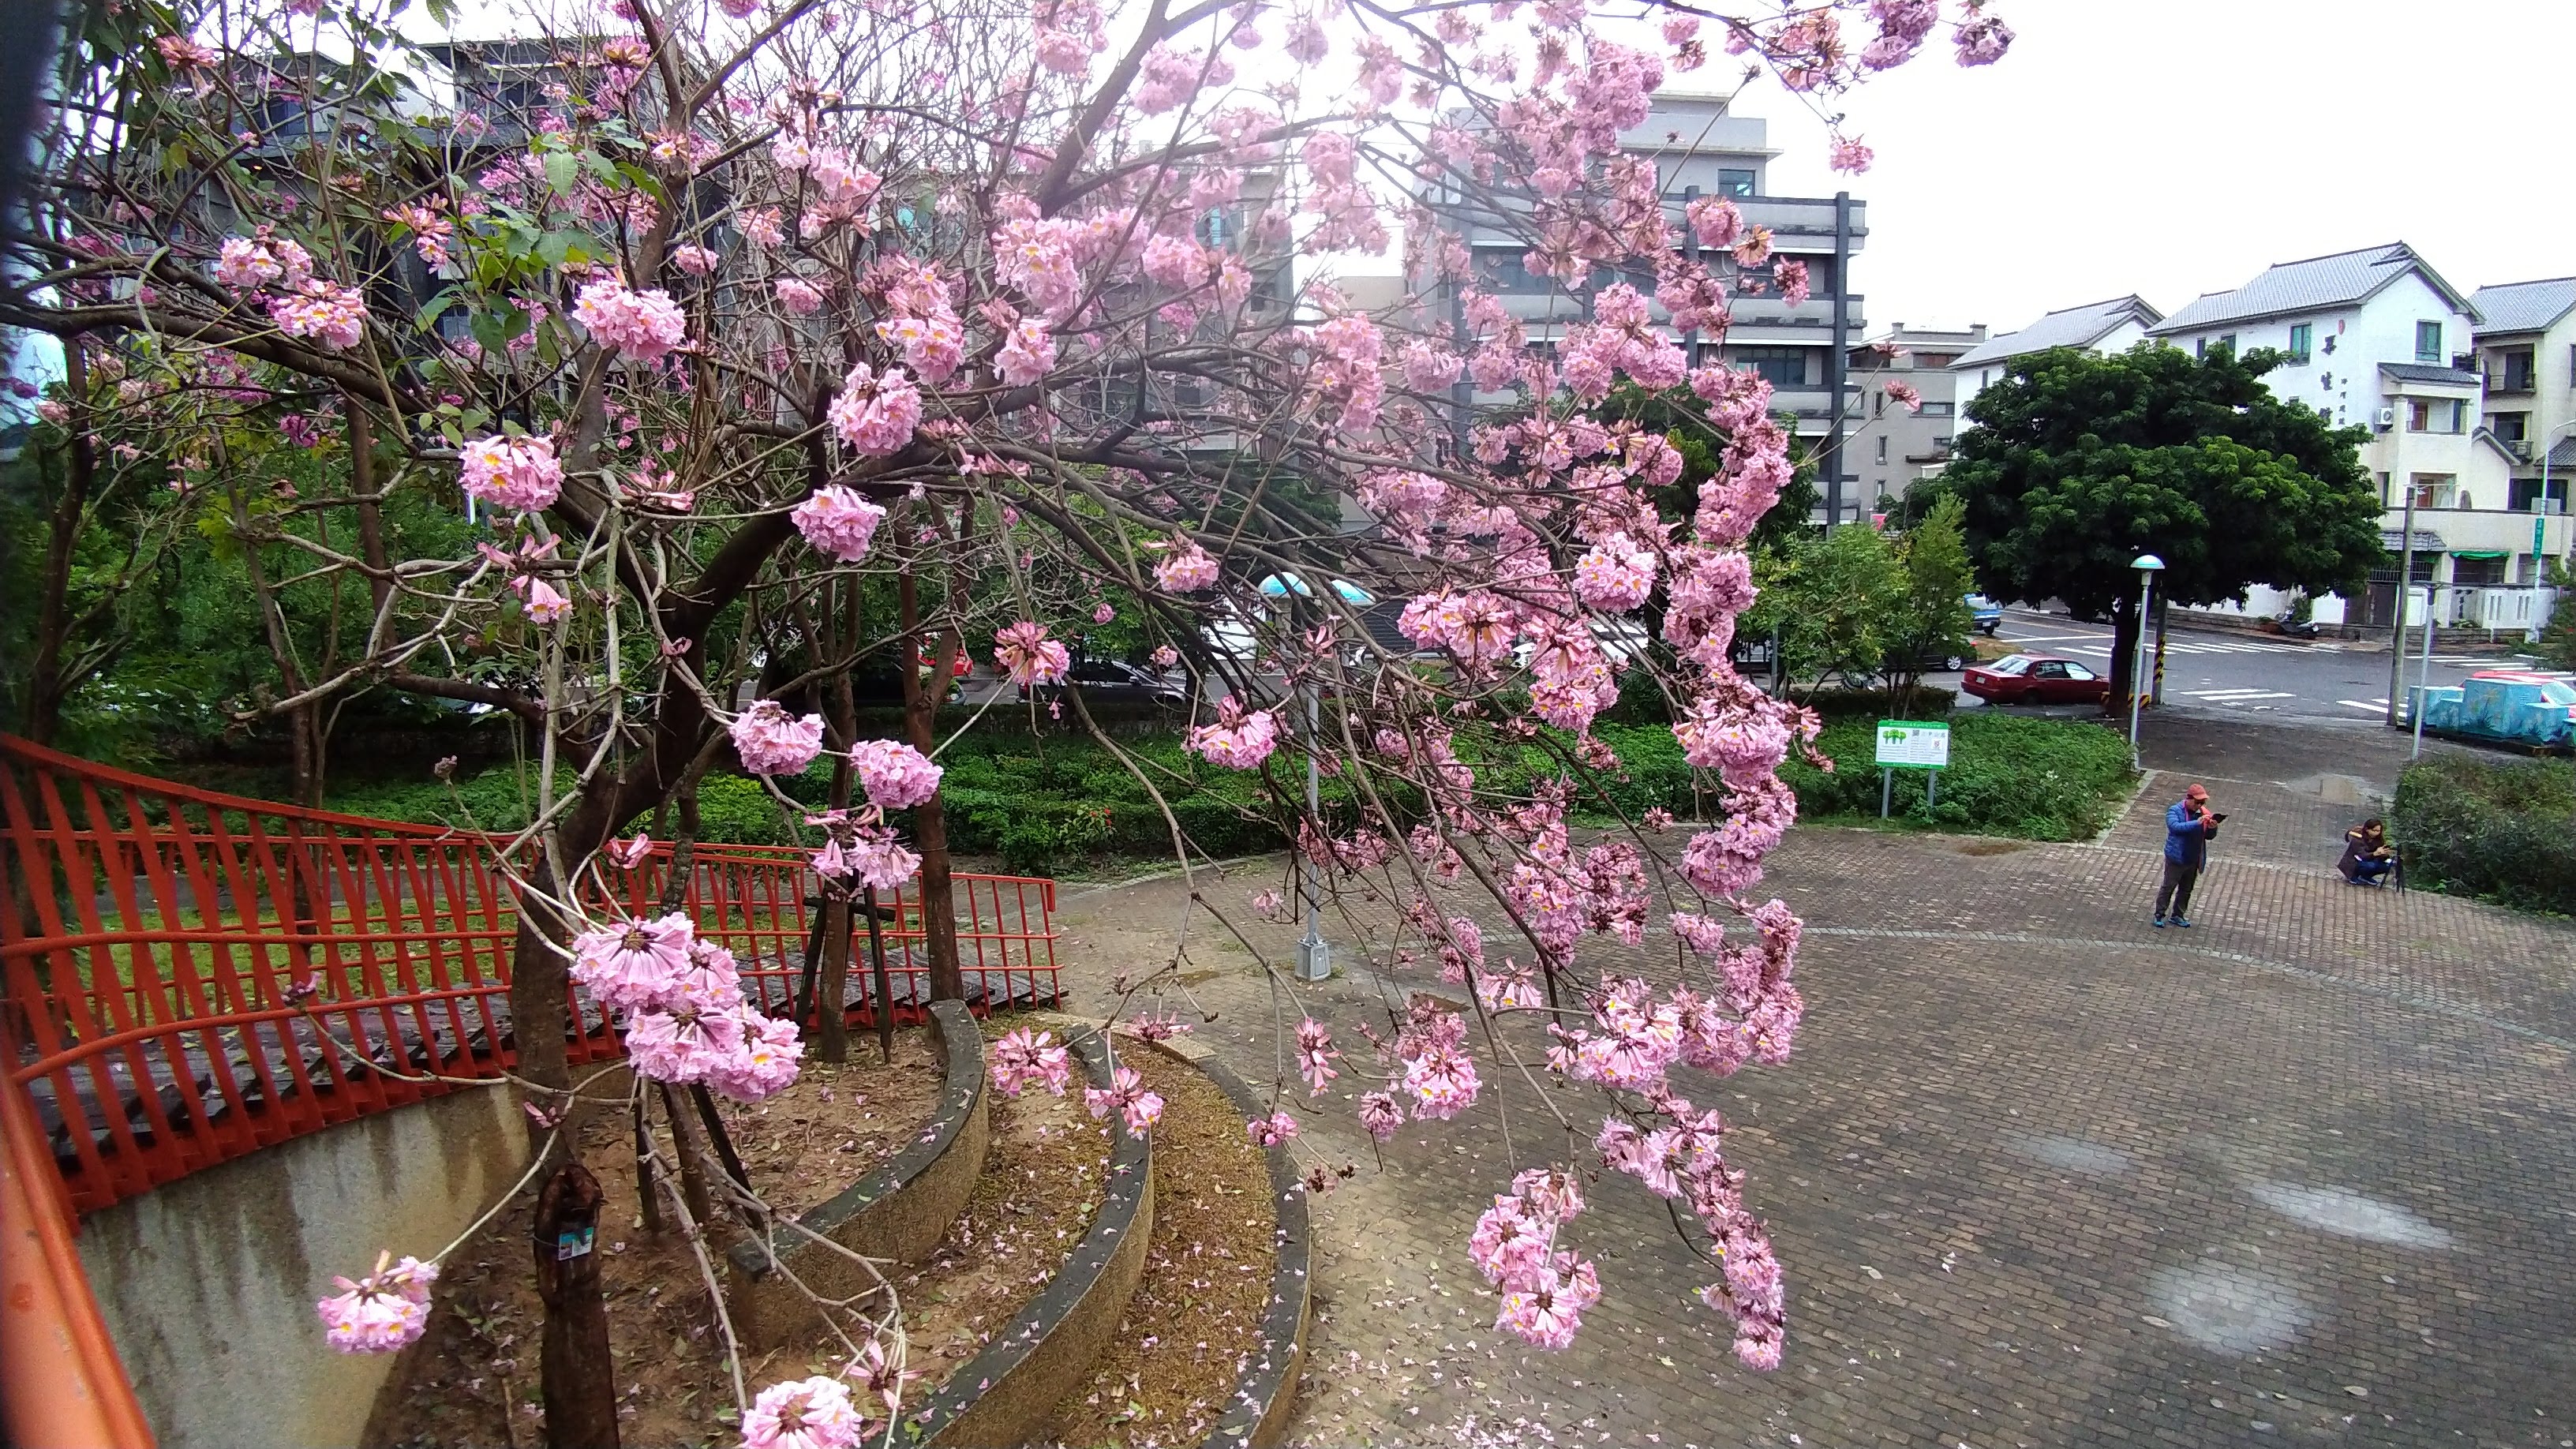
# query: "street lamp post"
(2539, 525)
(1314, 958)
(2147, 565)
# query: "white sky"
(2180, 146)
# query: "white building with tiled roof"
(2109, 326)
(2376, 338)
(2526, 344)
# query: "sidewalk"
(2040, 1174)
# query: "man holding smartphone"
(2188, 826)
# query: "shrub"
(2497, 830)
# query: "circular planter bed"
(472, 1379)
(1198, 1342)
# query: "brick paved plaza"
(2040, 1175)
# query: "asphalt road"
(2246, 675)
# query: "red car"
(2035, 679)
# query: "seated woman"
(2367, 858)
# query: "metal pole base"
(1314, 959)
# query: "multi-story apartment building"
(2109, 326)
(2376, 338)
(1895, 448)
(1700, 149)
(2526, 345)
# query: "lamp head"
(2147, 563)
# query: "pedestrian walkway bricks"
(2041, 1175)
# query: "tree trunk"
(539, 978)
(2124, 655)
(930, 826)
(578, 1377)
(832, 1031)
(45, 684)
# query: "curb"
(900, 1211)
(1265, 1397)
(1007, 1393)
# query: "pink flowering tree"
(720, 320)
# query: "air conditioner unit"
(2387, 419)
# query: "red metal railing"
(153, 937)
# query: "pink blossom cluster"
(1238, 739)
(1437, 1072)
(876, 413)
(838, 522)
(681, 997)
(1315, 1055)
(1345, 378)
(1616, 575)
(870, 855)
(1022, 1058)
(1270, 1131)
(1185, 568)
(811, 1413)
(772, 742)
(249, 263)
(894, 774)
(326, 312)
(382, 1311)
(639, 326)
(1545, 1289)
(1026, 355)
(1127, 1095)
(1028, 657)
(520, 474)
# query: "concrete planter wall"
(1008, 1393)
(900, 1211)
(208, 1283)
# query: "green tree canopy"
(2077, 463)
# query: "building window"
(2516, 368)
(2511, 427)
(2489, 571)
(2384, 500)
(2228, 342)
(1934, 359)
(2459, 417)
(2428, 342)
(2302, 340)
(1878, 406)
(1882, 449)
(1939, 409)
(1779, 366)
(1986, 375)
(2524, 496)
(2419, 415)
(2436, 490)
(1732, 182)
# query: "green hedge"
(2497, 830)
(1047, 806)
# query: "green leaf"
(562, 169)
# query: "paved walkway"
(2040, 1175)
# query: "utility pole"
(2405, 591)
(1838, 365)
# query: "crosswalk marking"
(2176, 646)
(2375, 706)
(2236, 696)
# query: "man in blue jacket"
(2188, 826)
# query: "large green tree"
(2076, 464)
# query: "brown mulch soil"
(870, 1109)
(471, 1382)
(1040, 1190)
(1195, 1322)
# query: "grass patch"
(2502, 831)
